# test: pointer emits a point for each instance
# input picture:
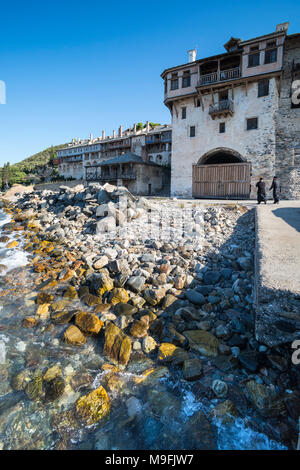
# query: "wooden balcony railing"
(221, 108)
(219, 76)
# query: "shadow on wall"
(290, 215)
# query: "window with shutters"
(263, 88)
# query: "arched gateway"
(221, 173)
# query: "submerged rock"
(73, 335)
(203, 342)
(94, 406)
(220, 388)
(34, 389)
(117, 345)
(266, 400)
(226, 412)
(54, 388)
(192, 369)
(88, 322)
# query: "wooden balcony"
(222, 108)
(219, 76)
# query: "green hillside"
(29, 168)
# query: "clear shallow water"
(166, 405)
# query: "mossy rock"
(83, 290)
(71, 293)
(166, 352)
(4, 239)
(74, 336)
(91, 300)
(21, 379)
(12, 244)
(34, 389)
(93, 407)
(52, 373)
(118, 295)
(60, 305)
(63, 317)
(102, 283)
(44, 298)
(88, 322)
(54, 388)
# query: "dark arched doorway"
(221, 173)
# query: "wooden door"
(230, 180)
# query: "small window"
(174, 81)
(186, 79)
(253, 60)
(263, 88)
(197, 103)
(183, 113)
(252, 123)
(254, 48)
(222, 127)
(270, 56)
(192, 131)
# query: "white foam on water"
(13, 257)
(238, 436)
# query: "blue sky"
(72, 68)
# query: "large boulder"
(117, 345)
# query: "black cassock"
(261, 191)
(276, 190)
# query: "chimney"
(120, 131)
(147, 126)
(103, 135)
(192, 55)
(91, 136)
(134, 128)
(114, 134)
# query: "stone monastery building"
(236, 117)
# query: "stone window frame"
(257, 53)
(271, 51)
(222, 127)
(261, 91)
(183, 112)
(192, 131)
(174, 81)
(251, 119)
(186, 79)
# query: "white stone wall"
(255, 146)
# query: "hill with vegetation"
(29, 169)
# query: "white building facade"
(224, 118)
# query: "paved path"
(279, 238)
(278, 272)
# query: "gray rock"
(195, 297)
(136, 283)
(211, 277)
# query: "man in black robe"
(261, 191)
(276, 189)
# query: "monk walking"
(261, 191)
(276, 189)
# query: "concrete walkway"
(278, 272)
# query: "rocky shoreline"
(137, 297)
